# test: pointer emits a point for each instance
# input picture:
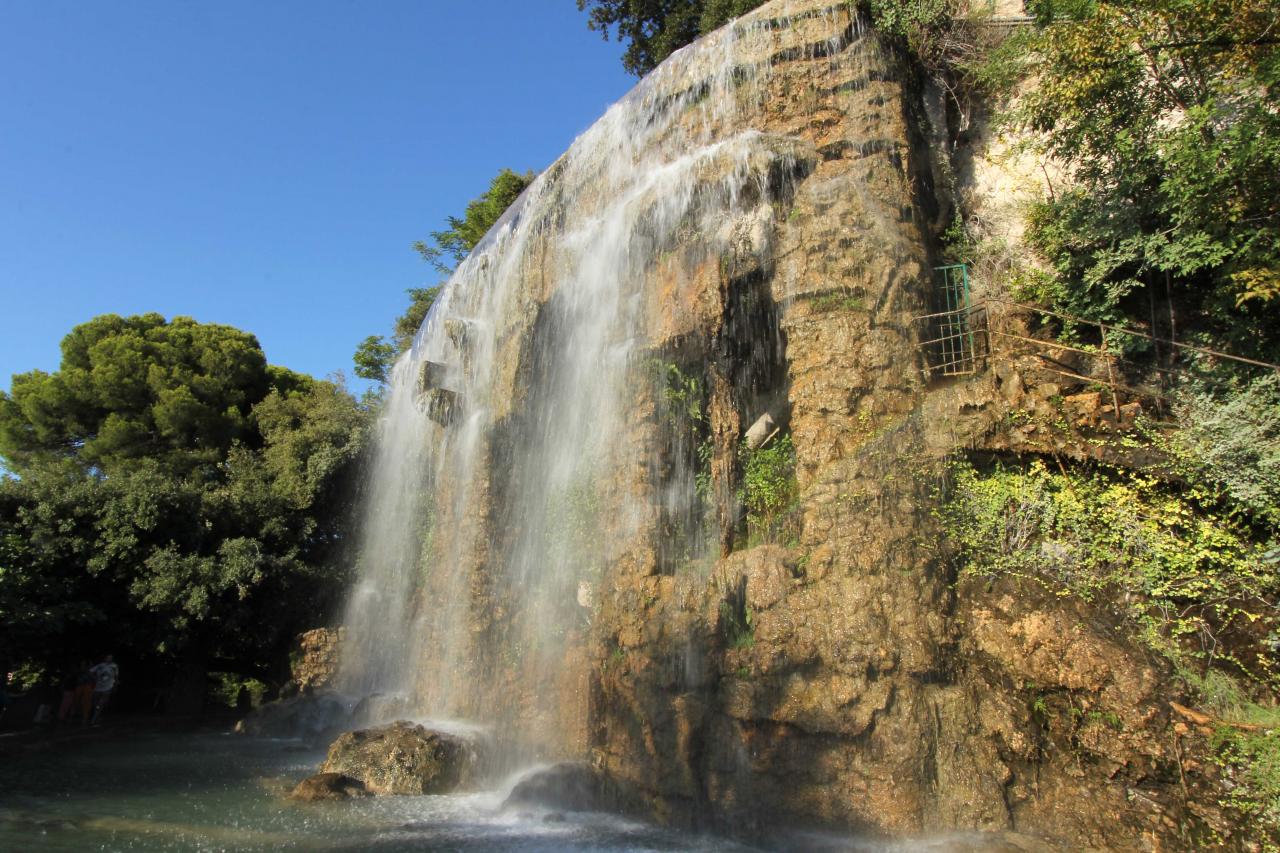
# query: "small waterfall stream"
(505, 480)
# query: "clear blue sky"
(264, 164)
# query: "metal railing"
(993, 331)
(953, 346)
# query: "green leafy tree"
(47, 532)
(654, 29)
(133, 388)
(1229, 437)
(448, 248)
(376, 354)
(373, 358)
(1163, 113)
(176, 496)
(444, 250)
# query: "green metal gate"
(952, 344)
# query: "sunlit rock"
(403, 758)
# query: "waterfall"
(514, 462)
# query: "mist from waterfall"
(501, 490)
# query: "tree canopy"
(1164, 114)
(448, 248)
(176, 497)
(134, 388)
(654, 29)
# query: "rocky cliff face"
(740, 237)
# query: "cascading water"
(505, 482)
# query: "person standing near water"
(82, 705)
(68, 684)
(105, 675)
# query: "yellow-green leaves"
(1173, 568)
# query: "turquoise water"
(115, 789)
(215, 792)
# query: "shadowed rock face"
(403, 758)
(569, 786)
(312, 717)
(328, 786)
(738, 237)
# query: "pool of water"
(125, 789)
(217, 792)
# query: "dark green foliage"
(46, 529)
(907, 18)
(373, 358)
(769, 490)
(209, 525)
(654, 29)
(376, 354)
(717, 13)
(682, 396)
(137, 387)
(448, 248)
(407, 324)
(1164, 115)
(939, 37)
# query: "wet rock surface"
(404, 758)
(316, 658)
(328, 786)
(570, 786)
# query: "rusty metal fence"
(964, 338)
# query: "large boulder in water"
(404, 758)
(569, 786)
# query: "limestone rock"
(570, 786)
(403, 758)
(316, 660)
(328, 786)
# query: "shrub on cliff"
(1163, 115)
(769, 491)
(1189, 577)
